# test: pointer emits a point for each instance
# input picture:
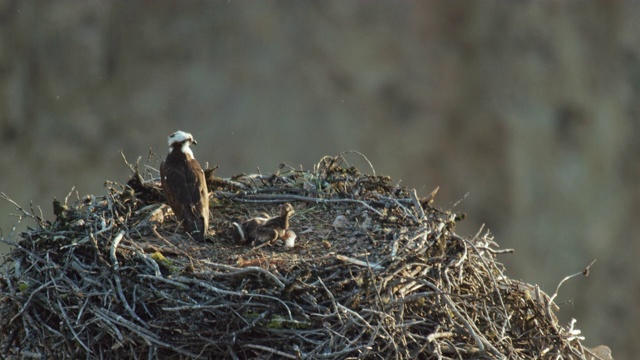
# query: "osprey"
(184, 185)
(265, 229)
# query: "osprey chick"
(184, 185)
(265, 229)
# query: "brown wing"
(186, 191)
(168, 192)
(257, 232)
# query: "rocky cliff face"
(530, 109)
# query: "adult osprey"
(184, 185)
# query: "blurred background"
(524, 113)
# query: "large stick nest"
(376, 273)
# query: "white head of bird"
(182, 140)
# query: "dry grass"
(374, 274)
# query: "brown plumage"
(184, 185)
(263, 229)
